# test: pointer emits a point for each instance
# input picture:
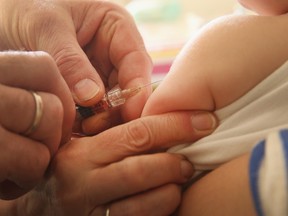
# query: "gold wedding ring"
(107, 212)
(37, 115)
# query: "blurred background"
(166, 25)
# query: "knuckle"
(47, 63)
(3, 146)
(138, 135)
(28, 170)
(177, 128)
(138, 170)
(160, 201)
(125, 171)
(38, 164)
(114, 13)
(172, 122)
(43, 58)
(170, 166)
(50, 128)
(67, 59)
(160, 167)
(22, 160)
(57, 109)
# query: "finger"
(22, 161)
(18, 113)
(135, 76)
(65, 47)
(128, 65)
(96, 123)
(54, 32)
(100, 122)
(160, 201)
(37, 71)
(132, 63)
(149, 134)
(83, 80)
(160, 169)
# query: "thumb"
(82, 78)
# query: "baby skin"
(225, 60)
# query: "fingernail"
(203, 121)
(86, 89)
(186, 169)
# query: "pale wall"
(207, 8)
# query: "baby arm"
(226, 59)
(215, 193)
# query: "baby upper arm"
(226, 59)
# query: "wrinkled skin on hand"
(89, 173)
(24, 157)
(95, 40)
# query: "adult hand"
(92, 173)
(24, 157)
(94, 43)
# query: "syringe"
(113, 98)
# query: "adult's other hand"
(91, 174)
(24, 156)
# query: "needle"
(113, 98)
